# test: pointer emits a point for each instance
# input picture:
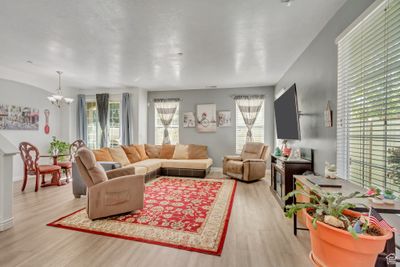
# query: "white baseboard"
(6, 224)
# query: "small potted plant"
(339, 236)
(388, 196)
(58, 147)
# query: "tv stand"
(282, 171)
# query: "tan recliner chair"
(112, 192)
(250, 165)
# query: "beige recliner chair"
(112, 192)
(250, 165)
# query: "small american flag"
(376, 219)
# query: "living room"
(195, 133)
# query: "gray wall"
(315, 74)
(223, 141)
(20, 94)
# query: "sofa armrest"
(124, 171)
(232, 157)
(229, 158)
(108, 165)
(253, 160)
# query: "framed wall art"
(13, 117)
(206, 118)
(224, 119)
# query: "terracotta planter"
(333, 247)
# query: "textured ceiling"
(126, 43)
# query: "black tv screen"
(287, 115)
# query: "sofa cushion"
(252, 150)
(198, 164)
(93, 168)
(153, 151)
(149, 164)
(118, 155)
(102, 154)
(181, 152)
(198, 152)
(167, 151)
(132, 153)
(140, 170)
(142, 152)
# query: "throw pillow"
(142, 152)
(167, 151)
(132, 153)
(198, 152)
(181, 152)
(118, 155)
(153, 151)
(102, 154)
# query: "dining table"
(56, 178)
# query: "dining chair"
(66, 166)
(30, 156)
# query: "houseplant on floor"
(339, 236)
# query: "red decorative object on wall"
(47, 127)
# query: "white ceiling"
(127, 43)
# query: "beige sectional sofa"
(151, 161)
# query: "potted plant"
(339, 236)
(58, 147)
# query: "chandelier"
(58, 99)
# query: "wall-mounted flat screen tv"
(287, 115)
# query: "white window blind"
(241, 129)
(368, 126)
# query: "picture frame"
(189, 121)
(224, 118)
(206, 118)
(14, 117)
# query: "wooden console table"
(282, 171)
(362, 205)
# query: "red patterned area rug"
(184, 213)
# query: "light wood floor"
(258, 235)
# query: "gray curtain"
(102, 113)
(81, 118)
(126, 120)
(166, 109)
(249, 106)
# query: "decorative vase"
(277, 152)
(335, 247)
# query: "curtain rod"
(168, 99)
(233, 96)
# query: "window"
(173, 128)
(241, 129)
(368, 132)
(93, 126)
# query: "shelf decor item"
(206, 118)
(278, 152)
(328, 116)
(340, 236)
